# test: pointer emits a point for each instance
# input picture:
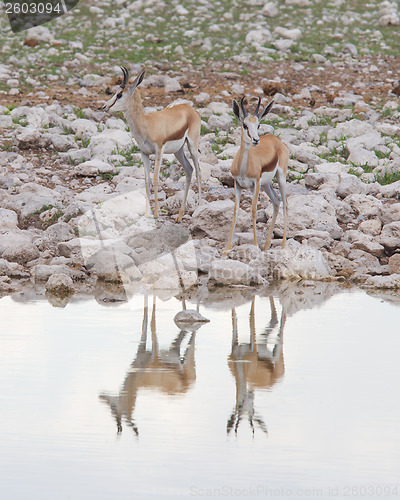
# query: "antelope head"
(250, 123)
(119, 101)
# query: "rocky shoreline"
(72, 201)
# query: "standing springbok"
(256, 163)
(160, 132)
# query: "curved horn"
(257, 107)
(126, 77)
(242, 106)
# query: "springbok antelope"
(165, 131)
(165, 370)
(256, 163)
(255, 365)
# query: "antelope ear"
(138, 80)
(236, 109)
(266, 110)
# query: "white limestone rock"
(181, 10)
(94, 167)
(31, 138)
(33, 197)
(173, 203)
(258, 36)
(371, 227)
(232, 272)
(291, 34)
(106, 142)
(41, 34)
(214, 219)
(351, 128)
(35, 116)
(350, 184)
(96, 194)
(61, 142)
(223, 122)
(270, 9)
(82, 126)
(17, 246)
(319, 180)
(202, 98)
(218, 107)
(43, 272)
(367, 141)
(360, 156)
(113, 266)
(390, 236)
(296, 261)
(188, 318)
(391, 282)
(8, 220)
(308, 212)
(53, 235)
(390, 20)
(390, 213)
(60, 284)
(365, 205)
(171, 84)
(283, 44)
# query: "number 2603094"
(33, 8)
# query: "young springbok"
(256, 163)
(164, 131)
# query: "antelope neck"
(244, 155)
(135, 116)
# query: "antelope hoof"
(180, 215)
(267, 245)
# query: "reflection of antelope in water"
(164, 370)
(254, 365)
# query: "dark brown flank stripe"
(270, 166)
(178, 134)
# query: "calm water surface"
(294, 394)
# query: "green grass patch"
(78, 112)
(20, 121)
(220, 141)
(127, 154)
(108, 176)
(387, 178)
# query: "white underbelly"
(267, 177)
(174, 146)
(170, 147)
(245, 182)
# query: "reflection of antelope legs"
(254, 365)
(164, 370)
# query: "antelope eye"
(119, 95)
(245, 126)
